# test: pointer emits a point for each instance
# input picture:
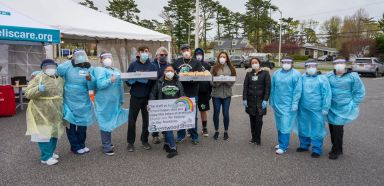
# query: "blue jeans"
(76, 137)
(170, 139)
(317, 145)
(106, 141)
(217, 104)
(283, 140)
(47, 149)
(193, 131)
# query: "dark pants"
(135, 105)
(337, 132)
(193, 131)
(256, 125)
(76, 137)
(217, 104)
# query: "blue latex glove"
(294, 108)
(131, 81)
(324, 112)
(145, 81)
(264, 104)
(41, 87)
(245, 103)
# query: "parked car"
(370, 65)
(210, 60)
(325, 58)
(264, 62)
(237, 61)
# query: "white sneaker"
(50, 161)
(280, 151)
(277, 147)
(55, 156)
(80, 151)
(86, 149)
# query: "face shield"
(50, 70)
(80, 57)
(106, 59)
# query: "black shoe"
(315, 155)
(205, 132)
(226, 137)
(172, 154)
(216, 136)
(333, 156)
(131, 148)
(110, 153)
(195, 142)
(257, 142)
(301, 150)
(146, 146)
(252, 141)
(167, 148)
(156, 140)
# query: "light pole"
(197, 24)
(189, 31)
(281, 22)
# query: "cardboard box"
(139, 75)
(224, 78)
(195, 78)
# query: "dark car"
(238, 61)
(264, 63)
(210, 60)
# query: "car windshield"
(363, 61)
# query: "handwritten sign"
(171, 114)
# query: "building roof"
(232, 44)
(317, 47)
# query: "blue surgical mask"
(144, 56)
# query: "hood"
(198, 50)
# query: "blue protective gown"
(109, 98)
(78, 108)
(348, 92)
(285, 96)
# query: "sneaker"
(172, 153)
(251, 141)
(55, 156)
(226, 137)
(205, 132)
(333, 156)
(257, 142)
(156, 140)
(86, 150)
(195, 142)
(216, 136)
(146, 146)
(110, 153)
(180, 140)
(301, 150)
(80, 152)
(280, 151)
(167, 148)
(131, 148)
(277, 146)
(50, 161)
(315, 155)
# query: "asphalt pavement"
(232, 162)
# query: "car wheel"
(376, 74)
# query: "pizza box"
(195, 78)
(139, 75)
(224, 78)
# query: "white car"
(370, 65)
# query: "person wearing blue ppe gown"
(314, 105)
(285, 97)
(78, 108)
(109, 99)
(348, 92)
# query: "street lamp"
(189, 32)
(281, 22)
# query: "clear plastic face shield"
(50, 70)
(311, 68)
(106, 59)
(80, 57)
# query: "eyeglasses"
(162, 55)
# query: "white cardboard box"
(224, 78)
(195, 78)
(139, 75)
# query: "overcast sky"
(318, 10)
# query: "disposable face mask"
(199, 57)
(340, 67)
(50, 71)
(186, 54)
(287, 66)
(107, 62)
(222, 60)
(144, 56)
(255, 66)
(163, 59)
(311, 71)
(169, 75)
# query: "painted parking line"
(236, 96)
(378, 78)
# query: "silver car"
(369, 65)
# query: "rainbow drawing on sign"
(187, 102)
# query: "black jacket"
(164, 89)
(205, 87)
(257, 88)
(191, 65)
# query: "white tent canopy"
(74, 19)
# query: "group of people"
(60, 101)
